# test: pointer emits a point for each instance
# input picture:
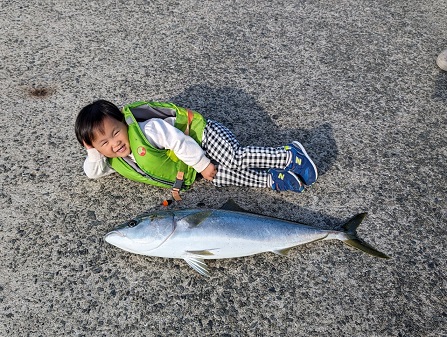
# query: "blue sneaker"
(301, 164)
(285, 181)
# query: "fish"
(198, 234)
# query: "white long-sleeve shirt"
(161, 134)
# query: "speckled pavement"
(355, 82)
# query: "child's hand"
(209, 172)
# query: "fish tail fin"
(352, 239)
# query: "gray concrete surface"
(355, 81)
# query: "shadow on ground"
(253, 125)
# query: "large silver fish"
(198, 234)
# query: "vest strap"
(188, 125)
(180, 174)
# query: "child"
(165, 145)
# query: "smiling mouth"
(121, 149)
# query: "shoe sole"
(298, 144)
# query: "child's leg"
(279, 180)
(248, 177)
(279, 168)
(221, 145)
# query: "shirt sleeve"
(163, 135)
(96, 165)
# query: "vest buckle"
(177, 186)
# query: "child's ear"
(87, 146)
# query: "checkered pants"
(240, 166)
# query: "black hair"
(91, 117)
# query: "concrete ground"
(355, 81)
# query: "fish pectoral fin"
(196, 219)
(200, 252)
(198, 265)
(282, 252)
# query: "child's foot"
(283, 180)
(301, 163)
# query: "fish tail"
(352, 239)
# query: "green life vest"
(157, 167)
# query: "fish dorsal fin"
(282, 252)
(231, 205)
(196, 219)
(198, 265)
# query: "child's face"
(114, 142)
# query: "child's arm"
(165, 136)
(95, 165)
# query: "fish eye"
(132, 223)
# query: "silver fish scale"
(227, 234)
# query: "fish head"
(142, 233)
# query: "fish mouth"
(113, 234)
